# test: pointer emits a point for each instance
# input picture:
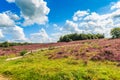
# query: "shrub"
(8, 44)
(5, 44)
(7, 72)
(22, 53)
(115, 32)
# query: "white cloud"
(8, 27)
(10, 1)
(93, 16)
(55, 25)
(92, 22)
(40, 37)
(1, 34)
(12, 15)
(55, 36)
(71, 26)
(14, 33)
(96, 23)
(36, 11)
(57, 28)
(116, 6)
(6, 21)
(77, 16)
(33, 11)
(18, 33)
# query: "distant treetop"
(82, 36)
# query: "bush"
(22, 53)
(8, 44)
(5, 44)
(115, 32)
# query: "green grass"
(37, 66)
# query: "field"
(78, 60)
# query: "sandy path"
(3, 78)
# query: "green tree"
(82, 36)
(115, 32)
(5, 44)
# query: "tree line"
(115, 33)
(8, 44)
(81, 36)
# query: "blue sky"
(44, 21)
(64, 9)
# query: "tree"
(5, 44)
(66, 38)
(115, 32)
(82, 36)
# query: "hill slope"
(81, 60)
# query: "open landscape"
(97, 59)
(59, 39)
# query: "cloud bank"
(8, 27)
(32, 12)
(36, 11)
(40, 37)
(92, 22)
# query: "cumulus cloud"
(77, 16)
(8, 27)
(36, 11)
(40, 37)
(55, 25)
(12, 15)
(92, 22)
(15, 32)
(5, 20)
(86, 22)
(116, 6)
(18, 34)
(10, 1)
(71, 26)
(57, 28)
(1, 34)
(33, 11)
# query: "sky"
(44, 21)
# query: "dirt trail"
(3, 78)
(9, 59)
